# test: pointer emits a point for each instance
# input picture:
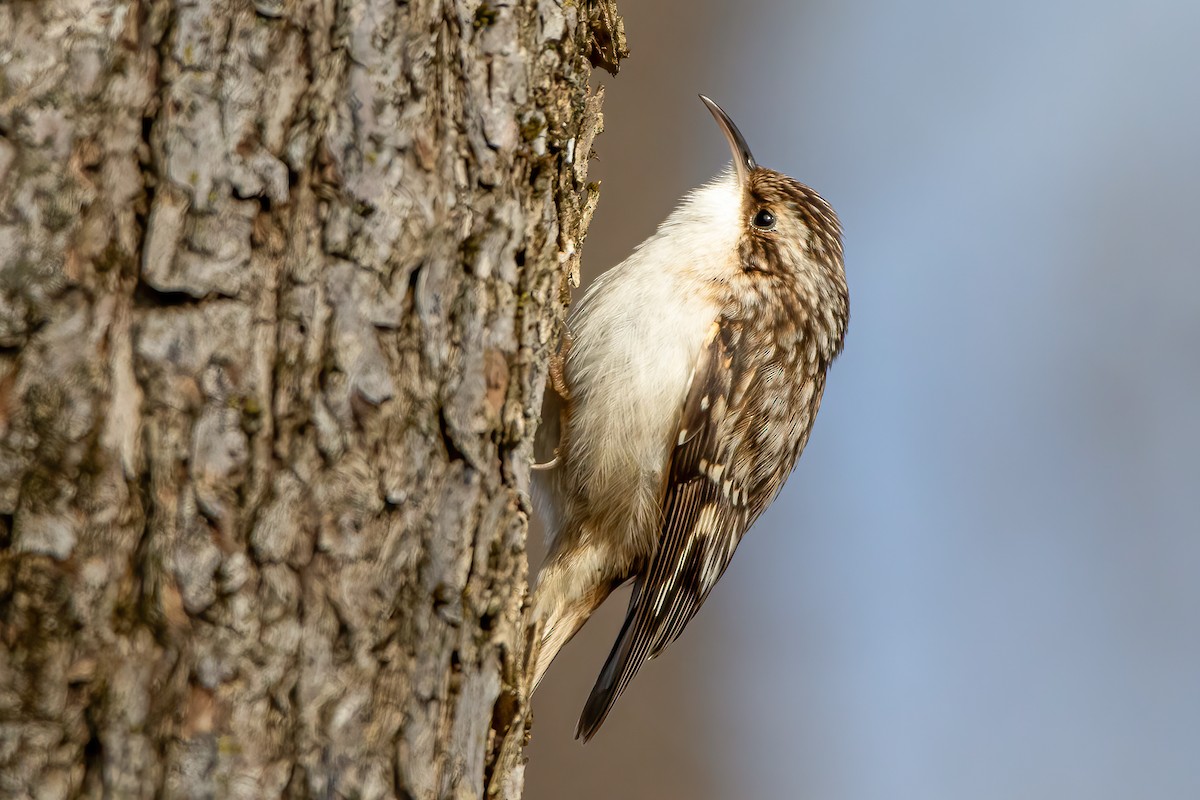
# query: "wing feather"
(704, 515)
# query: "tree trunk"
(278, 284)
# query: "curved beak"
(743, 160)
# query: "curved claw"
(551, 464)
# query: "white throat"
(701, 234)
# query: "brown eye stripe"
(770, 188)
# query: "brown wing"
(705, 513)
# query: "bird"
(678, 403)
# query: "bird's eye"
(764, 220)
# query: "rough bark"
(278, 282)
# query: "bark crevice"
(277, 289)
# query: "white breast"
(636, 337)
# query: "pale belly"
(634, 347)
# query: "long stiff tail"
(613, 679)
(561, 605)
(559, 625)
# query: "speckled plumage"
(693, 374)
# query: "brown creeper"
(691, 377)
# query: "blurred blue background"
(983, 579)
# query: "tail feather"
(560, 626)
(613, 679)
(561, 607)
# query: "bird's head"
(783, 224)
(782, 242)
